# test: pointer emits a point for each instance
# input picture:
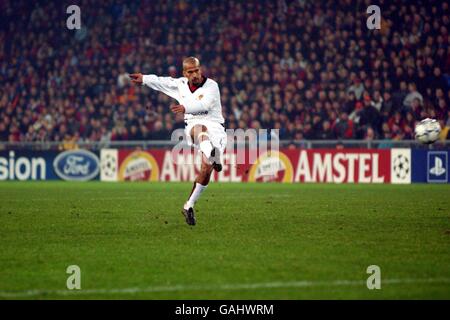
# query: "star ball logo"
(109, 165)
(401, 166)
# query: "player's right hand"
(178, 109)
(136, 78)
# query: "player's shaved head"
(191, 70)
(190, 62)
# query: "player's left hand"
(178, 109)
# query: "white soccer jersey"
(203, 103)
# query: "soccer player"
(199, 101)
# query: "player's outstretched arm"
(166, 85)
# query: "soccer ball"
(427, 131)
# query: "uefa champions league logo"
(401, 166)
(109, 165)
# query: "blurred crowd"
(309, 68)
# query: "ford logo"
(76, 165)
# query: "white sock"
(206, 148)
(195, 195)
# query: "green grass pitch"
(252, 241)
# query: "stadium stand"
(309, 68)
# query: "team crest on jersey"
(200, 97)
(272, 166)
(139, 166)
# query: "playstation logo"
(437, 166)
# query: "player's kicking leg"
(210, 162)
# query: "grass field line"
(217, 287)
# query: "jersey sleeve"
(204, 103)
(166, 85)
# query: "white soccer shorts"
(216, 133)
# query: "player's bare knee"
(198, 133)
